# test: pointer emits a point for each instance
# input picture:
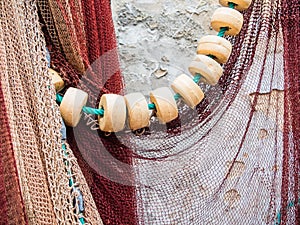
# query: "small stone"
(139, 19)
(152, 25)
(192, 10)
(178, 35)
(165, 59)
(160, 73)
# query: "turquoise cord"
(88, 110)
(100, 112)
(224, 29)
(82, 220)
(177, 97)
(197, 78)
(231, 5)
(151, 106)
(59, 98)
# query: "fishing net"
(232, 160)
(33, 171)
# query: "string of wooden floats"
(211, 52)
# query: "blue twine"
(63, 130)
(80, 201)
(71, 183)
(48, 57)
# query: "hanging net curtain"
(232, 160)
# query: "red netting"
(10, 193)
(291, 155)
(103, 75)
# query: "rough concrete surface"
(157, 39)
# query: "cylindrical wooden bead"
(210, 70)
(165, 104)
(114, 113)
(71, 106)
(226, 17)
(56, 80)
(188, 90)
(240, 4)
(219, 47)
(138, 112)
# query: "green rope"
(100, 112)
(197, 78)
(89, 110)
(59, 98)
(212, 56)
(82, 220)
(222, 31)
(177, 97)
(151, 106)
(231, 5)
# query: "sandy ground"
(158, 38)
